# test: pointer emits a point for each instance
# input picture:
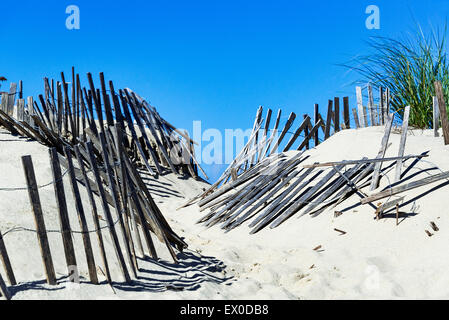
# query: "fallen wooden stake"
(350, 162)
(412, 185)
(434, 227)
(341, 231)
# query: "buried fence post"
(39, 219)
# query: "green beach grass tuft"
(409, 67)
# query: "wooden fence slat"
(309, 136)
(292, 140)
(399, 189)
(371, 105)
(11, 98)
(329, 119)
(117, 205)
(6, 262)
(337, 114)
(109, 220)
(64, 220)
(82, 219)
(4, 289)
(95, 217)
(39, 219)
(361, 110)
(381, 107)
(443, 112)
(303, 199)
(436, 117)
(346, 117)
(356, 118)
(316, 119)
(387, 105)
(284, 131)
(4, 104)
(402, 143)
(383, 149)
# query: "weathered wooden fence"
(264, 187)
(110, 156)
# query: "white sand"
(375, 259)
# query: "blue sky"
(214, 61)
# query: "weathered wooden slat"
(387, 105)
(381, 106)
(337, 114)
(336, 185)
(11, 99)
(133, 132)
(361, 110)
(303, 199)
(64, 220)
(301, 128)
(121, 187)
(82, 219)
(329, 120)
(309, 136)
(6, 262)
(356, 118)
(4, 104)
(346, 117)
(443, 113)
(115, 197)
(39, 219)
(351, 162)
(107, 103)
(383, 149)
(273, 180)
(371, 105)
(283, 200)
(273, 132)
(316, 119)
(399, 189)
(284, 131)
(109, 220)
(436, 117)
(87, 184)
(402, 143)
(97, 103)
(4, 289)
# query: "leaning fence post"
(4, 289)
(66, 231)
(6, 263)
(39, 219)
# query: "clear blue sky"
(214, 61)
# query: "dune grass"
(409, 67)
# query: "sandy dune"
(374, 259)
